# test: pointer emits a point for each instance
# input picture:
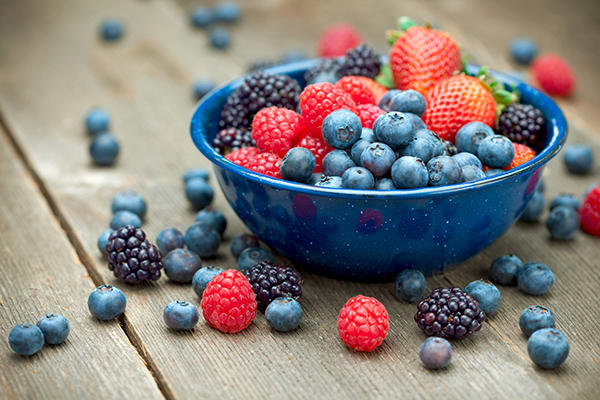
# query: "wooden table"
(54, 204)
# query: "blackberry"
(361, 60)
(449, 148)
(259, 90)
(131, 257)
(230, 139)
(523, 123)
(270, 281)
(326, 68)
(449, 313)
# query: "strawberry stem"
(385, 77)
(501, 96)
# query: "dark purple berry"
(523, 123)
(270, 281)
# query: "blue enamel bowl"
(372, 235)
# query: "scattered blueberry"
(104, 149)
(181, 315)
(111, 30)
(505, 269)
(563, 223)
(336, 162)
(341, 129)
(201, 88)
(470, 136)
(55, 328)
(358, 178)
(470, 173)
(410, 285)
(408, 101)
(298, 165)
(435, 353)
(486, 294)
(201, 17)
(242, 242)
(106, 302)
(129, 201)
(378, 158)
(252, 256)
(202, 240)
(103, 240)
(202, 277)
(284, 314)
(394, 128)
(385, 184)
(214, 219)
(96, 121)
(330, 182)
(122, 218)
(548, 348)
(180, 265)
(534, 209)
(386, 100)
(443, 170)
(523, 50)
(409, 172)
(220, 38)
(463, 159)
(535, 279)
(579, 159)
(357, 150)
(169, 239)
(494, 172)
(195, 173)
(26, 339)
(227, 12)
(496, 151)
(534, 318)
(566, 200)
(199, 193)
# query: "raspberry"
(554, 75)
(131, 257)
(363, 323)
(361, 60)
(522, 155)
(378, 90)
(590, 213)
(231, 139)
(266, 164)
(368, 113)
(523, 123)
(318, 147)
(228, 302)
(243, 156)
(275, 129)
(270, 281)
(318, 100)
(337, 39)
(357, 89)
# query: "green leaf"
(405, 22)
(385, 77)
(392, 35)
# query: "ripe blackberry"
(523, 123)
(361, 60)
(449, 313)
(270, 281)
(231, 139)
(131, 257)
(327, 68)
(449, 148)
(259, 90)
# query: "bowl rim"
(557, 141)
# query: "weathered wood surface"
(53, 70)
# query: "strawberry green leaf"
(405, 22)
(385, 77)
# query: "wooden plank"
(42, 274)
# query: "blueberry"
(253, 255)
(104, 149)
(410, 285)
(284, 314)
(566, 200)
(548, 348)
(579, 159)
(541, 186)
(394, 129)
(505, 269)
(378, 158)
(298, 165)
(336, 162)
(195, 173)
(103, 241)
(213, 219)
(523, 50)
(563, 223)
(26, 339)
(386, 100)
(55, 328)
(417, 122)
(169, 239)
(470, 173)
(330, 182)
(470, 136)
(202, 87)
(242, 242)
(180, 265)
(122, 218)
(486, 294)
(385, 184)
(202, 277)
(443, 170)
(181, 315)
(106, 302)
(368, 135)
(220, 38)
(227, 12)
(96, 121)
(341, 129)
(496, 151)
(494, 172)
(199, 193)
(463, 159)
(129, 201)
(409, 172)
(435, 353)
(111, 30)
(534, 209)
(316, 178)
(357, 150)
(201, 17)
(408, 101)
(358, 178)
(534, 318)
(293, 56)
(422, 147)
(202, 240)
(535, 279)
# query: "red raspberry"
(378, 90)
(590, 212)
(337, 39)
(274, 129)
(266, 164)
(522, 155)
(318, 147)
(229, 303)
(363, 323)
(553, 74)
(368, 113)
(357, 89)
(243, 156)
(320, 99)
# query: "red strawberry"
(266, 164)
(421, 57)
(337, 39)
(378, 90)
(590, 212)
(553, 74)
(356, 88)
(368, 113)
(243, 156)
(456, 101)
(522, 155)
(320, 99)
(318, 147)
(275, 129)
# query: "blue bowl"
(368, 234)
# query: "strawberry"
(378, 90)
(522, 155)
(357, 89)
(336, 40)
